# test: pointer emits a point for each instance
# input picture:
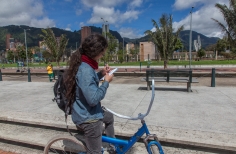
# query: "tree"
(120, 56)
(230, 19)
(201, 53)
(10, 55)
(164, 38)
(222, 45)
(178, 45)
(134, 51)
(112, 46)
(55, 45)
(211, 47)
(21, 53)
(37, 52)
(47, 56)
(226, 55)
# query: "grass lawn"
(144, 63)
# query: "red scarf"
(90, 61)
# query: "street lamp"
(123, 49)
(26, 49)
(190, 39)
(105, 28)
(29, 76)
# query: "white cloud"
(136, 3)
(102, 3)
(68, 27)
(107, 9)
(187, 4)
(111, 15)
(81, 24)
(27, 12)
(42, 23)
(129, 33)
(201, 19)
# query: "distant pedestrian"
(50, 72)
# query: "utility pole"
(190, 39)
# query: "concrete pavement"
(205, 116)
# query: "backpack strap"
(67, 127)
(67, 111)
(58, 97)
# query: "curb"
(138, 74)
(167, 140)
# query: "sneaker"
(111, 149)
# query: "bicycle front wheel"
(154, 149)
(64, 145)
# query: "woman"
(85, 94)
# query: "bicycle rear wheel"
(64, 145)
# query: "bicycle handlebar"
(140, 115)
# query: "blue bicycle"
(74, 145)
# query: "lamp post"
(76, 46)
(26, 50)
(29, 76)
(104, 27)
(190, 40)
(123, 48)
(104, 23)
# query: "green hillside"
(33, 36)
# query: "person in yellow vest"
(50, 72)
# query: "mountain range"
(17, 32)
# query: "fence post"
(0, 75)
(168, 75)
(18, 70)
(213, 76)
(190, 76)
(29, 76)
(140, 66)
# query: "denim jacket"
(87, 105)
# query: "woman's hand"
(105, 70)
(108, 77)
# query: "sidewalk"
(204, 116)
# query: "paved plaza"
(204, 116)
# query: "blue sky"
(131, 18)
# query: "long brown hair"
(92, 46)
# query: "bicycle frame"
(122, 146)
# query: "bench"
(182, 76)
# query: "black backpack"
(60, 94)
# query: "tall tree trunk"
(165, 63)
